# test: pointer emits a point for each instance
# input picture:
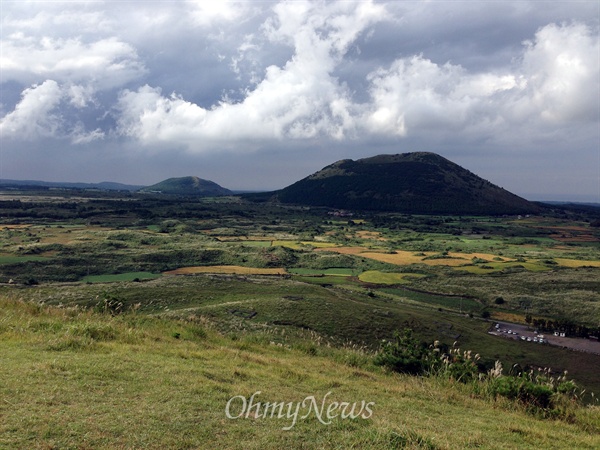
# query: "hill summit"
(419, 182)
(192, 186)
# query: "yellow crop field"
(469, 256)
(238, 270)
(576, 262)
(404, 258)
(347, 250)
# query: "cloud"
(301, 100)
(555, 80)
(105, 63)
(561, 69)
(39, 114)
(207, 14)
(35, 115)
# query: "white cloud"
(35, 115)
(80, 96)
(300, 100)
(207, 14)
(554, 82)
(80, 136)
(561, 68)
(106, 63)
(39, 115)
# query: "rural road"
(579, 344)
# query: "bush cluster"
(538, 390)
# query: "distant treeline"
(564, 326)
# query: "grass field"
(10, 259)
(239, 270)
(378, 277)
(95, 381)
(130, 276)
(335, 271)
(283, 300)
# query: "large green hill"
(192, 186)
(418, 182)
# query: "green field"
(8, 259)
(460, 304)
(137, 382)
(286, 301)
(335, 271)
(378, 277)
(111, 278)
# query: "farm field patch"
(11, 259)
(238, 270)
(378, 277)
(111, 278)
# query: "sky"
(256, 95)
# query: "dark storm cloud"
(257, 95)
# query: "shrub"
(404, 354)
(109, 304)
(538, 390)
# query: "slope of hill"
(76, 379)
(193, 186)
(418, 182)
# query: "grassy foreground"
(77, 379)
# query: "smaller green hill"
(192, 186)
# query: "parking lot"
(527, 335)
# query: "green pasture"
(129, 276)
(494, 267)
(322, 280)
(378, 277)
(456, 303)
(10, 259)
(334, 271)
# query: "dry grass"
(375, 235)
(14, 227)
(405, 258)
(508, 317)
(576, 262)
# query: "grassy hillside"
(77, 379)
(412, 182)
(188, 186)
